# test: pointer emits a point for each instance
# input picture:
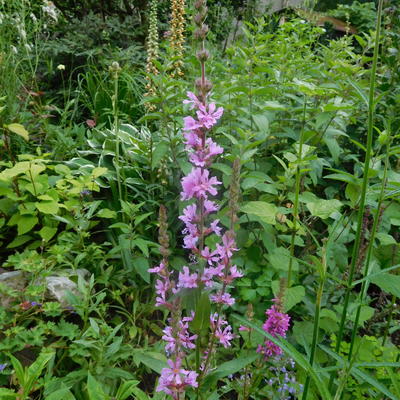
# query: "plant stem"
(116, 133)
(296, 196)
(316, 319)
(368, 153)
(364, 286)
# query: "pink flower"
(197, 184)
(192, 139)
(190, 242)
(223, 298)
(189, 214)
(225, 336)
(208, 118)
(186, 279)
(190, 124)
(277, 323)
(157, 270)
(234, 273)
(215, 228)
(209, 256)
(204, 156)
(210, 206)
(175, 379)
(193, 100)
(228, 246)
(210, 273)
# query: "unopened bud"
(203, 55)
(198, 19)
(203, 87)
(201, 33)
(198, 4)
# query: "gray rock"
(14, 280)
(59, 286)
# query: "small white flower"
(61, 67)
(14, 49)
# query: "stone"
(14, 280)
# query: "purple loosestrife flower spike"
(211, 268)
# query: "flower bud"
(200, 33)
(199, 4)
(198, 19)
(203, 88)
(203, 55)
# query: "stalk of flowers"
(211, 270)
(152, 52)
(276, 325)
(177, 36)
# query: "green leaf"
(293, 295)
(228, 368)
(106, 213)
(95, 391)
(19, 130)
(141, 266)
(126, 389)
(98, 171)
(280, 259)
(64, 394)
(19, 241)
(7, 394)
(17, 169)
(201, 320)
(159, 152)
(26, 223)
(149, 359)
(47, 207)
(46, 233)
(389, 283)
(324, 208)
(300, 360)
(265, 211)
(373, 382)
(261, 122)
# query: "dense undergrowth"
(93, 143)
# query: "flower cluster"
(152, 52)
(177, 36)
(276, 325)
(211, 269)
(282, 381)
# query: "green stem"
(385, 336)
(364, 286)
(116, 133)
(297, 193)
(368, 154)
(316, 319)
